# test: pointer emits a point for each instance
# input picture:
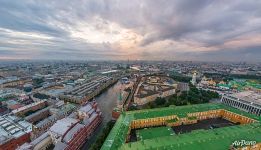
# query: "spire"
(120, 96)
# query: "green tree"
(160, 101)
(37, 81)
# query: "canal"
(106, 102)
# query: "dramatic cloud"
(122, 29)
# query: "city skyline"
(141, 30)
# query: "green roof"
(241, 84)
(219, 138)
(150, 133)
(172, 120)
(68, 107)
(2, 99)
(224, 85)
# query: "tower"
(194, 79)
(120, 103)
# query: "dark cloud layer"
(119, 29)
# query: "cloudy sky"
(206, 30)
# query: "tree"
(180, 78)
(160, 101)
(103, 135)
(37, 81)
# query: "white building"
(248, 101)
(87, 110)
(194, 79)
(61, 127)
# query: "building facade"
(14, 131)
(151, 87)
(71, 133)
(248, 101)
(242, 126)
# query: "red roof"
(15, 106)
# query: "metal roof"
(69, 135)
(13, 127)
(220, 138)
(63, 125)
(249, 96)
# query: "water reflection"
(106, 102)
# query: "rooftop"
(13, 127)
(86, 87)
(28, 106)
(69, 135)
(217, 139)
(150, 133)
(63, 125)
(86, 108)
(153, 85)
(110, 71)
(220, 138)
(249, 96)
(68, 107)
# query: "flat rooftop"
(150, 133)
(63, 125)
(86, 108)
(205, 124)
(218, 138)
(13, 127)
(249, 96)
(28, 106)
(87, 87)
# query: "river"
(106, 102)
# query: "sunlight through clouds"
(112, 29)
